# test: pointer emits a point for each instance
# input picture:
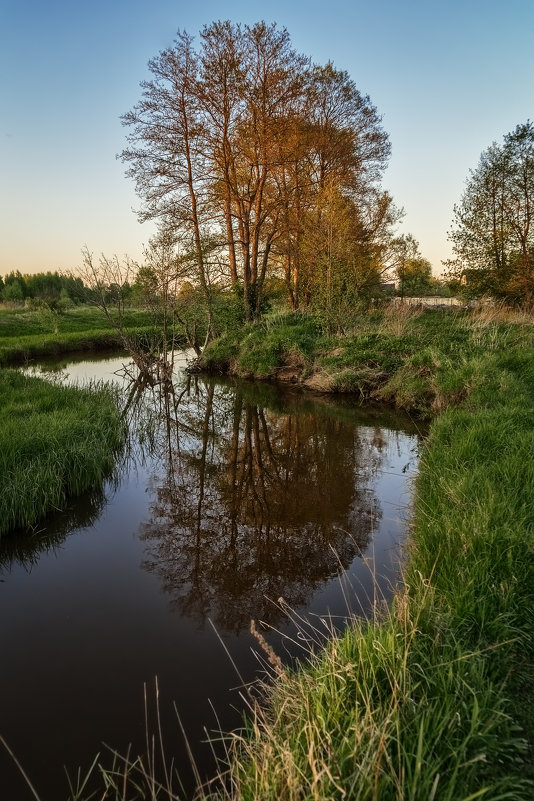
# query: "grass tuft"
(55, 442)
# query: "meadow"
(27, 334)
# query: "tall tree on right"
(493, 228)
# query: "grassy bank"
(55, 442)
(27, 334)
(421, 361)
(433, 699)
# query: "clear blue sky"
(448, 77)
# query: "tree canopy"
(261, 164)
(493, 229)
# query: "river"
(232, 502)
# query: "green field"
(29, 334)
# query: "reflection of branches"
(108, 282)
(255, 503)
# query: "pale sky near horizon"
(448, 78)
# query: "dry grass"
(487, 312)
(397, 318)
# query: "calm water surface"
(231, 503)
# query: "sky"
(448, 77)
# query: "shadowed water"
(233, 502)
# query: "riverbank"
(420, 361)
(55, 441)
(433, 699)
(29, 334)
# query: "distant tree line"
(60, 291)
(53, 288)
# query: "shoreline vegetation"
(56, 442)
(433, 699)
(28, 334)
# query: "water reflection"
(24, 548)
(253, 493)
(229, 496)
(256, 501)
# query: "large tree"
(246, 150)
(166, 155)
(336, 209)
(493, 229)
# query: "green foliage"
(493, 232)
(13, 292)
(415, 277)
(52, 289)
(340, 261)
(228, 311)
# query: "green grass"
(432, 700)
(30, 334)
(259, 350)
(55, 442)
(418, 361)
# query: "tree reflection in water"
(256, 499)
